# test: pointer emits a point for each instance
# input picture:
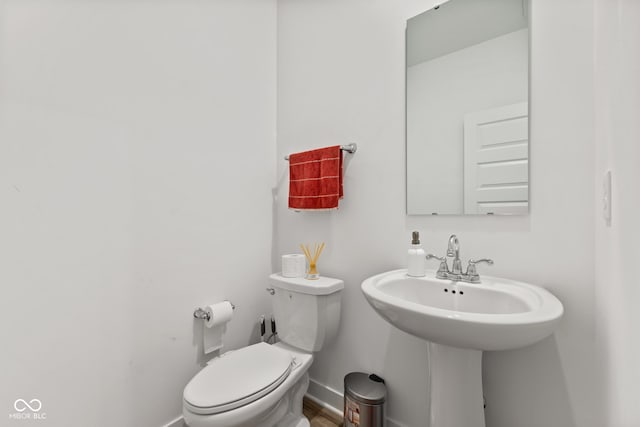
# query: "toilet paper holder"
(199, 313)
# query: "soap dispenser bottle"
(416, 259)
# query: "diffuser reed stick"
(312, 274)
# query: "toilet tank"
(307, 312)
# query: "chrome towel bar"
(349, 148)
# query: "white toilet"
(263, 385)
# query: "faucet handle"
(439, 258)
(471, 268)
(480, 261)
(443, 269)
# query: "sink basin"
(460, 320)
(497, 314)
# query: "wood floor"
(319, 416)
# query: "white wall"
(440, 92)
(137, 150)
(617, 42)
(341, 79)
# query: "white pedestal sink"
(460, 320)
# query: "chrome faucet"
(453, 250)
(456, 274)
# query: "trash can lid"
(365, 388)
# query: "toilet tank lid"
(321, 286)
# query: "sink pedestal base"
(455, 387)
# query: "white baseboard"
(394, 423)
(333, 400)
(178, 422)
(325, 396)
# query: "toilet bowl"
(254, 386)
(261, 384)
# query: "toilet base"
(295, 422)
(294, 417)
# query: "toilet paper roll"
(219, 314)
(216, 326)
(293, 265)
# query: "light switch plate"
(606, 197)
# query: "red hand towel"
(315, 179)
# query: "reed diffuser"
(312, 273)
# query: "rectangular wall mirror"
(467, 65)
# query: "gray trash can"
(364, 400)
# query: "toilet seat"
(237, 378)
